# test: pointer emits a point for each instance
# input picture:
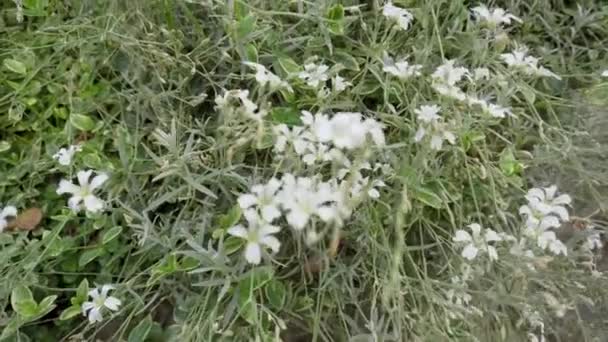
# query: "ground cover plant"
(416, 170)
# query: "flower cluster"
(544, 212)
(430, 124)
(316, 76)
(325, 139)
(518, 60)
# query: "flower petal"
(112, 303)
(66, 187)
(253, 253)
(95, 315)
(93, 204)
(271, 242)
(247, 200)
(469, 252)
(268, 229)
(86, 306)
(297, 219)
(83, 177)
(492, 236)
(105, 289)
(238, 231)
(462, 236)
(9, 210)
(98, 181)
(270, 213)
(74, 203)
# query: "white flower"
(428, 114)
(593, 241)
(314, 74)
(258, 233)
(495, 110)
(401, 69)
(476, 243)
(263, 77)
(246, 107)
(347, 130)
(82, 194)
(429, 118)
(303, 197)
(99, 301)
(318, 124)
(376, 130)
(605, 73)
(294, 136)
(542, 201)
(495, 16)
(64, 155)
(402, 16)
(519, 60)
(445, 78)
(481, 74)
(316, 152)
(340, 84)
(448, 74)
(8, 211)
(263, 196)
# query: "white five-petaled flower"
(263, 76)
(400, 15)
(543, 202)
(295, 136)
(477, 243)
(100, 299)
(82, 194)
(401, 69)
(303, 198)
(8, 211)
(245, 106)
(494, 17)
(429, 124)
(519, 60)
(264, 197)
(314, 74)
(64, 155)
(340, 84)
(445, 78)
(257, 234)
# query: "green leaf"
(46, 305)
(335, 17)
(336, 12)
(251, 53)
(92, 160)
(82, 122)
(288, 65)
(69, 312)
(275, 293)
(141, 331)
(233, 244)
(286, 115)
(245, 26)
(4, 146)
(23, 303)
(428, 197)
(88, 256)
(347, 60)
(111, 234)
(15, 66)
(230, 218)
(11, 328)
